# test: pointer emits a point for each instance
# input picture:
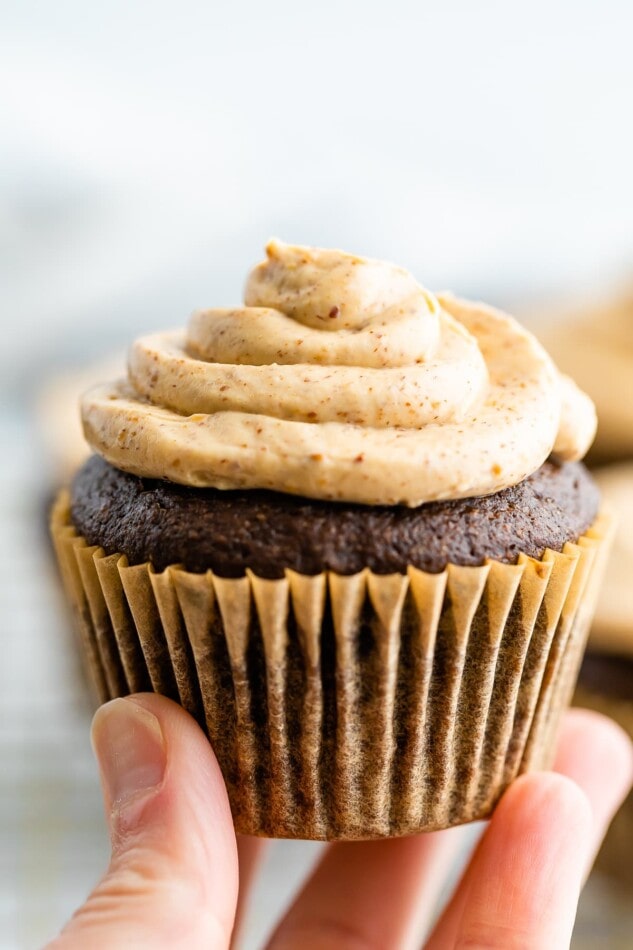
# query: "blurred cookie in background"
(606, 677)
(59, 431)
(58, 421)
(594, 345)
(612, 630)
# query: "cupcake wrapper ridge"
(348, 707)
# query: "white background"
(149, 149)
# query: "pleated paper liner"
(348, 707)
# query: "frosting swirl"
(341, 378)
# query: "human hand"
(173, 876)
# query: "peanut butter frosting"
(341, 378)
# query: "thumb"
(172, 879)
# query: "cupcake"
(606, 676)
(346, 527)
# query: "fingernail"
(129, 745)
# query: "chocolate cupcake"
(346, 528)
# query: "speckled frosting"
(341, 379)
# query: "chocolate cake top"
(230, 531)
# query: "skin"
(176, 864)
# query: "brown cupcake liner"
(358, 706)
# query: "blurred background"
(148, 150)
